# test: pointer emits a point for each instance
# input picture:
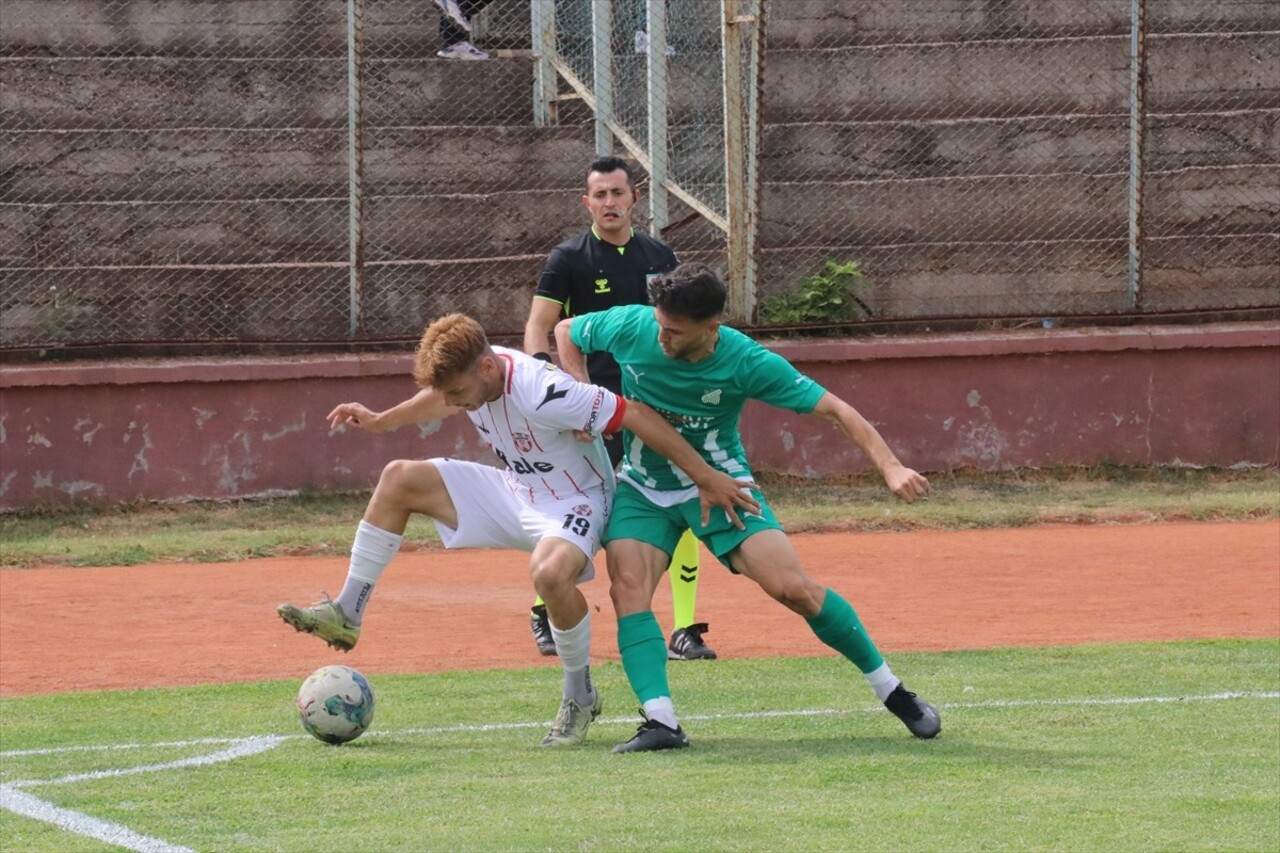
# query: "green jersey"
(703, 399)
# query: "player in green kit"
(611, 264)
(677, 358)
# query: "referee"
(611, 264)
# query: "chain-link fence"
(174, 171)
(1089, 158)
(282, 171)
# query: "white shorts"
(491, 515)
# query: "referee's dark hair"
(605, 165)
(690, 290)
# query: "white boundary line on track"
(16, 800)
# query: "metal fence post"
(754, 76)
(355, 164)
(1137, 116)
(602, 74)
(740, 115)
(542, 26)
(656, 25)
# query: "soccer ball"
(335, 704)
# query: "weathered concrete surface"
(163, 159)
(1207, 396)
(1242, 271)
(192, 28)
(169, 430)
(246, 304)
(219, 163)
(841, 151)
(1032, 207)
(295, 230)
(910, 81)
(107, 94)
(896, 81)
(952, 280)
(1054, 278)
(815, 23)
(284, 26)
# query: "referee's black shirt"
(586, 274)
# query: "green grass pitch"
(1126, 747)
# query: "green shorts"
(636, 517)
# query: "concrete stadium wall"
(246, 194)
(169, 430)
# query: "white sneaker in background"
(642, 43)
(462, 50)
(451, 10)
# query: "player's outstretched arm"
(904, 482)
(426, 405)
(543, 315)
(572, 360)
(715, 488)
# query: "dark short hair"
(605, 165)
(691, 290)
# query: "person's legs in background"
(455, 29)
(686, 636)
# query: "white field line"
(15, 800)
(605, 721)
(26, 805)
(19, 802)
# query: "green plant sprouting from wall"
(827, 297)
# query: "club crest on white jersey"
(531, 429)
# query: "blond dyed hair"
(450, 345)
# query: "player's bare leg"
(768, 559)
(555, 566)
(405, 487)
(635, 568)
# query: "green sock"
(684, 581)
(838, 626)
(644, 655)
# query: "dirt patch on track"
(174, 624)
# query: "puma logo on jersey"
(712, 398)
(552, 394)
(602, 285)
(635, 374)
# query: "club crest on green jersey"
(712, 397)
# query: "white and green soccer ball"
(335, 704)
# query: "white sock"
(663, 710)
(574, 649)
(882, 681)
(371, 552)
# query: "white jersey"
(530, 428)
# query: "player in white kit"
(551, 498)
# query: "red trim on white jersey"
(615, 422)
(511, 371)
